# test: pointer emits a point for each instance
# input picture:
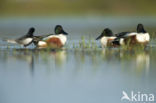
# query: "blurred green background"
(77, 7)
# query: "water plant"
(87, 44)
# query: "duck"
(106, 38)
(57, 40)
(133, 38)
(25, 40)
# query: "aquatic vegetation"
(86, 44)
(137, 47)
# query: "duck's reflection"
(143, 61)
(59, 57)
(95, 59)
(20, 55)
(34, 58)
(138, 60)
(53, 59)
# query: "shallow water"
(73, 75)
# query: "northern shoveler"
(53, 41)
(133, 38)
(24, 40)
(106, 38)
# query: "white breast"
(104, 40)
(63, 38)
(143, 37)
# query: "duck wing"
(122, 34)
(36, 39)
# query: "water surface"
(73, 75)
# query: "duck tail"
(10, 41)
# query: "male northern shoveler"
(106, 38)
(133, 38)
(24, 40)
(53, 41)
